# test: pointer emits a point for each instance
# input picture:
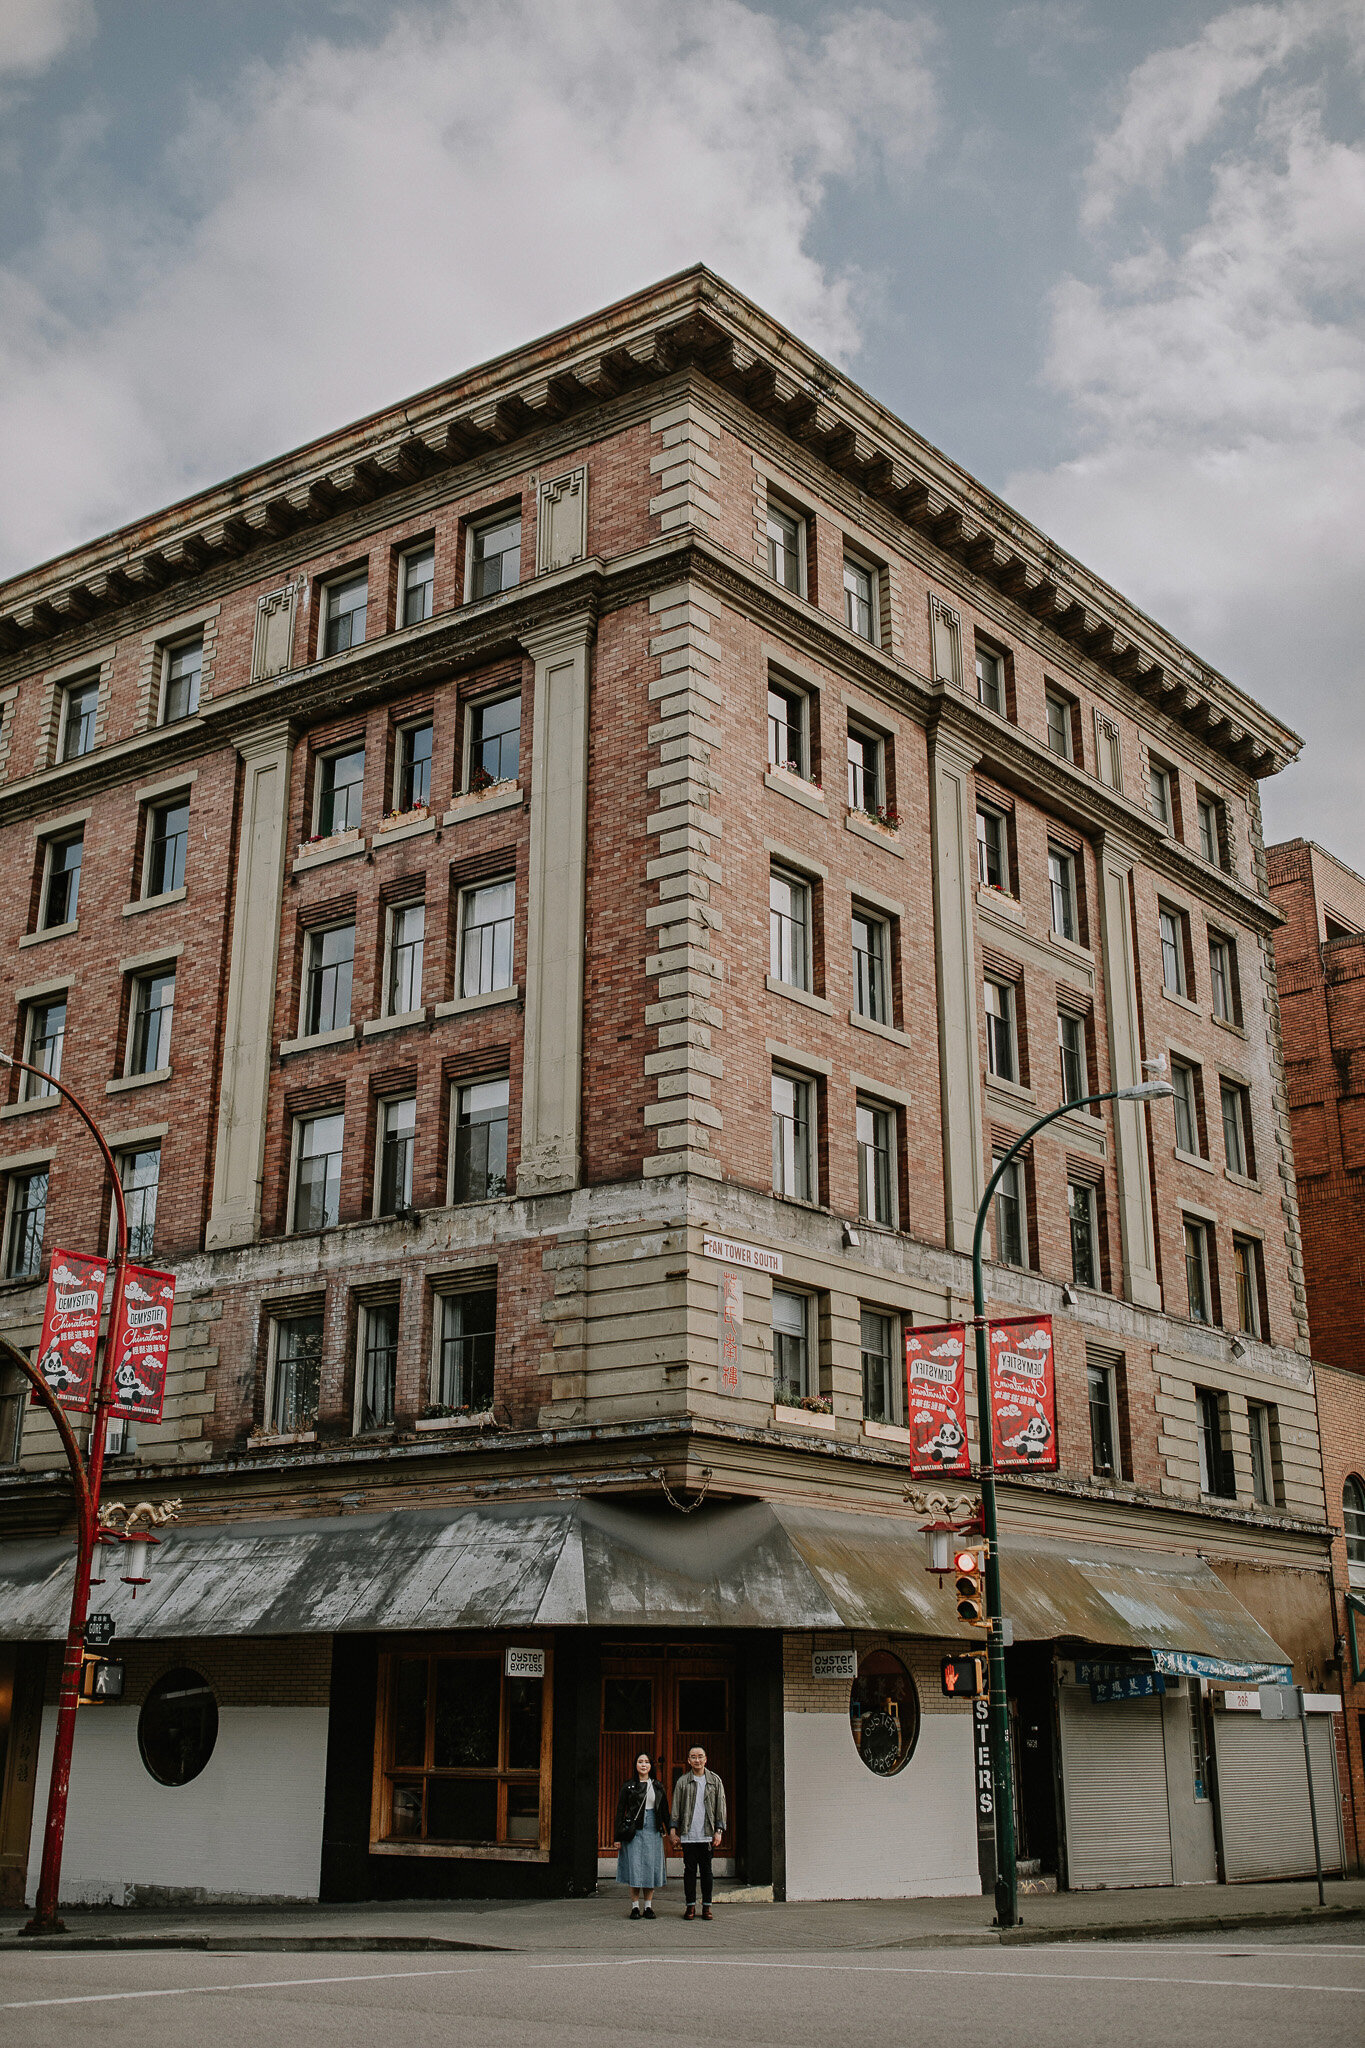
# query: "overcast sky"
(1110, 256)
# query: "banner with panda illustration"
(936, 1399)
(1023, 1395)
(71, 1327)
(140, 1344)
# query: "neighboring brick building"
(602, 854)
(1341, 1414)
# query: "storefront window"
(178, 1727)
(884, 1713)
(464, 1749)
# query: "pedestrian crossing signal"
(968, 1584)
(964, 1678)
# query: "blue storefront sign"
(1138, 1685)
(1093, 1671)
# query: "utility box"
(1279, 1702)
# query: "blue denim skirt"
(641, 1861)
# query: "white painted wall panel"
(853, 1835)
(250, 1825)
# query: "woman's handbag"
(631, 1828)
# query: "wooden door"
(662, 1705)
(632, 1723)
(701, 1697)
(21, 1713)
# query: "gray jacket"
(685, 1801)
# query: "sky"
(1109, 257)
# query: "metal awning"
(606, 1564)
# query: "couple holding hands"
(696, 1819)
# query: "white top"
(698, 1830)
(649, 1796)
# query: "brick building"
(1341, 1412)
(584, 865)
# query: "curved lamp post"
(87, 1477)
(1007, 1870)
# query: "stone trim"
(1137, 1224)
(98, 662)
(151, 667)
(952, 814)
(685, 468)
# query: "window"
(1104, 1436)
(62, 882)
(1353, 1520)
(1108, 752)
(79, 702)
(412, 767)
(378, 1373)
(1210, 830)
(871, 967)
(1061, 877)
(883, 1372)
(343, 623)
(1071, 1046)
(317, 1171)
(883, 1711)
(1216, 1475)
(168, 837)
(495, 557)
(14, 1391)
(1173, 934)
(152, 1010)
(792, 1160)
(864, 772)
(786, 548)
(494, 742)
(479, 1167)
(876, 1162)
(1186, 1106)
(1223, 979)
(403, 981)
(1237, 1150)
(463, 1752)
(180, 689)
(1000, 1047)
(1059, 733)
(140, 1176)
(418, 577)
(1246, 1265)
(787, 728)
(486, 920)
(44, 1040)
(860, 599)
(397, 1141)
(27, 1220)
(1197, 1287)
(297, 1374)
(1009, 1216)
(1080, 1209)
(789, 908)
(177, 1729)
(990, 678)
(992, 850)
(341, 781)
(791, 1347)
(1261, 1429)
(327, 980)
(467, 1326)
(1159, 793)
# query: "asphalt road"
(1261, 1990)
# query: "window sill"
(457, 1005)
(126, 1081)
(342, 848)
(800, 791)
(1241, 1180)
(1072, 948)
(1010, 1091)
(1181, 1002)
(411, 827)
(343, 1035)
(797, 995)
(1002, 904)
(485, 1419)
(477, 803)
(887, 1031)
(52, 931)
(487, 1852)
(1193, 1159)
(155, 902)
(1226, 1024)
(803, 1418)
(374, 1027)
(860, 824)
(270, 1443)
(886, 1432)
(32, 1103)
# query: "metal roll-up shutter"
(1263, 1795)
(1118, 1829)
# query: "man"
(698, 1821)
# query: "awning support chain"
(685, 1507)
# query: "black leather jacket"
(630, 1808)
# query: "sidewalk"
(744, 1922)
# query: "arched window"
(178, 1727)
(884, 1713)
(1353, 1515)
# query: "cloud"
(356, 222)
(33, 33)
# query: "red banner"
(140, 1344)
(1023, 1394)
(71, 1327)
(936, 1398)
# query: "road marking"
(1033, 1976)
(264, 1984)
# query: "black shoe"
(648, 1913)
(690, 1914)
(635, 1912)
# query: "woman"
(641, 1825)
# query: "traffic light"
(964, 1678)
(968, 1575)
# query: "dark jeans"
(696, 1857)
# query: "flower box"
(484, 1419)
(803, 1418)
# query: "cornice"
(691, 321)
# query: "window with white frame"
(343, 613)
(397, 1142)
(860, 599)
(1101, 1382)
(1198, 1273)
(1081, 1220)
(1212, 837)
(1071, 1049)
(866, 790)
(376, 1366)
(26, 1222)
(1353, 1522)
(417, 585)
(140, 1178)
(1246, 1268)
(791, 1347)
(487, 917)
(990, 678)
(317, 1170)
(340, 786)
(1060, 737)
(1108, 752)
(1172, 925)
(876, 1129)
(1159, 793)
(61, 884)
(1061, 881)
(80, 701)
(168, 838)
(466, 1333)
(871, 966)
(1224, 992)
(883, 1368)
(1237, 1147)
(1216, 1474)
(151, 1011)
(329, 962)
(1011, 1232)
(495, 556)
(1262, 1422)
(788, 729)
(1002, 1055)
(992, 850)
(183, 670)
(44, 1042)
(1185, 1081)
(789, 929)
(479, 1140)
(786, 548)
(494, 741)
(403, 967)
(296, 1374)
(793, 1098)
(412, 766)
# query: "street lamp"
(1007, 1870)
